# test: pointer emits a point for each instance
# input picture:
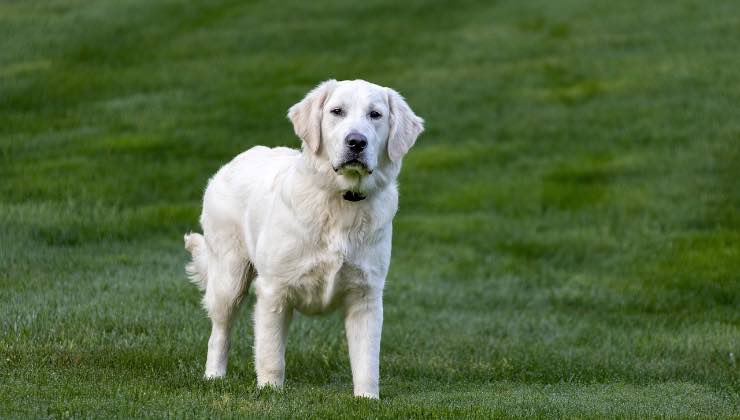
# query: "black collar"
(353, 196)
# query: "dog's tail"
(197, 269)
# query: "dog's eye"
(336, 111)
(375, 115)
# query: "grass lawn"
(568, 242)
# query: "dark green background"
(568, 240)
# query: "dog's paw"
(370, 395)
(214, 374)
(274, 382)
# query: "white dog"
(311, 228)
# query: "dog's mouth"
(353, 165)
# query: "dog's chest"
(331, 269)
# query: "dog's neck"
(353, 196)
(311, 190)
(323, 176)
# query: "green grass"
(568, 242)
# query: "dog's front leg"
(363, 323)
(271, 321)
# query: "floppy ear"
(306, 115)
(405, 126)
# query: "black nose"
(356, 142)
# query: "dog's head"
(356, 132)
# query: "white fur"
(277, 217)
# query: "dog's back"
(225, 202)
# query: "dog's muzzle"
(353, 164)
(356, 142)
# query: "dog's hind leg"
(272, 318)
(229, 276)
